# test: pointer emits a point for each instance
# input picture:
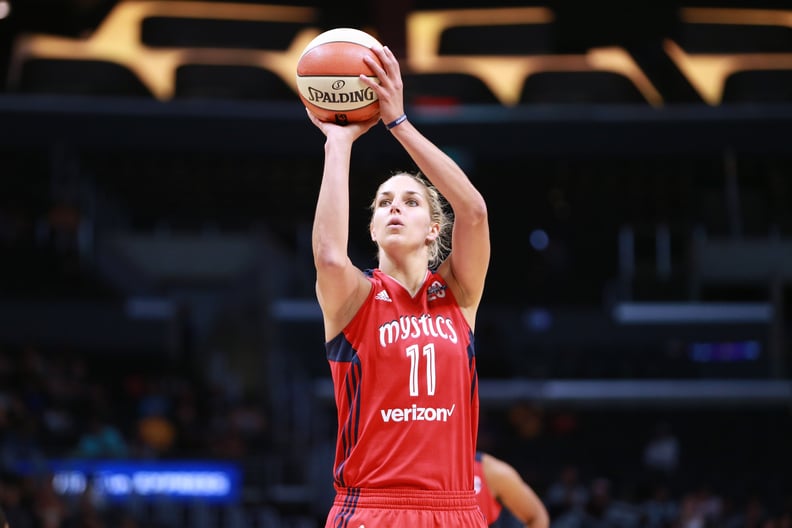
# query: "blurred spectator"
(190, 430)
(753, 514)
(661, 453)
(782, 520)
(229, 444)
(155, 428)
(156, 399)
(101, 439)
(659, 510)
(15, 502)
(598, 508)
(20, 442)
(48, 505)
(156, 434)
(59, 228)
(567, 493)
(43, 397)
(700, 508)
(122, 519)
(247, 417)
(58, 425)
(527, 420)
(87, 514)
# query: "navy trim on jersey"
(350, 503)
(350, 430)
(339, 349)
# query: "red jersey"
(406, 390)
(489, 505)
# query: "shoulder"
(338, 311)
(496, 470)
(468, 305)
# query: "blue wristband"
(396, 122)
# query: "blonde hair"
(439, 212)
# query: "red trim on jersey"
(488, 504)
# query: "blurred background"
(161, 350)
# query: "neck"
(410, 274)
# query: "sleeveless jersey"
(406, 390)
(488, 504)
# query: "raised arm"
(466, 267)
(341, 287)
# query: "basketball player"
(399, 338)
(498, 485)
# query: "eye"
(384, 202)
(412, 202)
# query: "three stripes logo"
(383, 296)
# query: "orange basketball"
(328, 79)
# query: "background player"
(498, 485)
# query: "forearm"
(531, 510)
(439, 168)
(331, 221)
(540, 519)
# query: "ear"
(434, 232)
(372, 233)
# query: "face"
(401, 214)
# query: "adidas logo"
(383, 296)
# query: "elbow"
(478, 213)
(540, 519)
(326, 260)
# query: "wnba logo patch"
(435, 290)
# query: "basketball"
(328, 73)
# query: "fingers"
(376, 66)
(313, 118)
(389, 89)
(349, 132)
(388, 65)
(318, 123)
(365, 79)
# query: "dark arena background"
(161, 350)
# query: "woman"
(499, 485)
(399, 338)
